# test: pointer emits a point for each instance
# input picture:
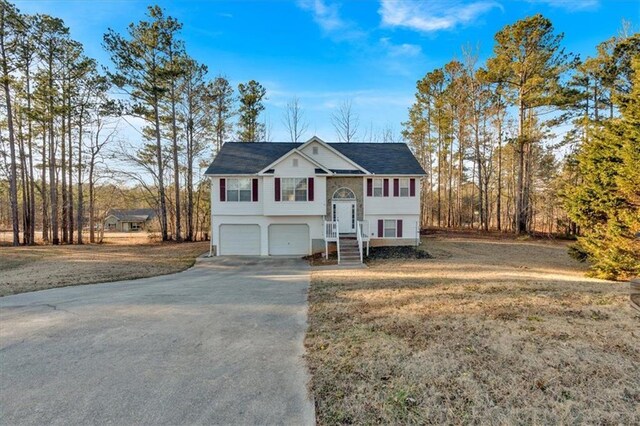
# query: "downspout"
(211, 219)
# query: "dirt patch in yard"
(41, 267)
(488, 332)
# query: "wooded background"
(511, 144)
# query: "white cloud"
(434, 15)
(400, 50)
(570, 5)
(327, 16)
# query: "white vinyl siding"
(327, 158)
(240, 240)
(223, 208)
(391, 206)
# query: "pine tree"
(606, 204)
(141, 69)
(251, 96)
(528, 60)
(8, 18)
(222, 105)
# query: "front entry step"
(349, 250)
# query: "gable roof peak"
(314, 138)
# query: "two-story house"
(302, 198)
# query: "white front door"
(345, 214)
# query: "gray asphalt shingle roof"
(132, 215)
(241, 158)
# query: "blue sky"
(326, 51)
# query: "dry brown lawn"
(109, 237)
(40, 267)
(488, 332)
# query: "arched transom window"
(344, 194)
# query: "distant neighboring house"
(128, 219)
(301, 198)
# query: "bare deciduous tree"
(294, 120)
(345, 121)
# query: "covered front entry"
(240, 240)
(289, 240)
(343, 207)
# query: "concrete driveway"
(221, 343)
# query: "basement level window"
(390, 228)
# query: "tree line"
(62, 147)
(486, 133)
(61, 138)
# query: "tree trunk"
(92, 216)
(70, 170)
(439, 173)
(163, 201)
(520, 219)
(32, 199)
(460, 177)
(80, 219)
(450, 193)
(45, 204)
(190, 179)
(499, 196)
(176, 164)
(479, 163)
(24, 178)
(53, 186)
(13, 178)
(63, 171)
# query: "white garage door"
(240, 240)
(288, 240)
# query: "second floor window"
(404, 187)
(294, 189)
(377, 187)
(238, 189)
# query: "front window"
(377, 187)
(404, 187)
(294, 189)
(135, 226)
(239, 190)
(390, 228)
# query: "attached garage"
(243, 240)
(288, 240)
